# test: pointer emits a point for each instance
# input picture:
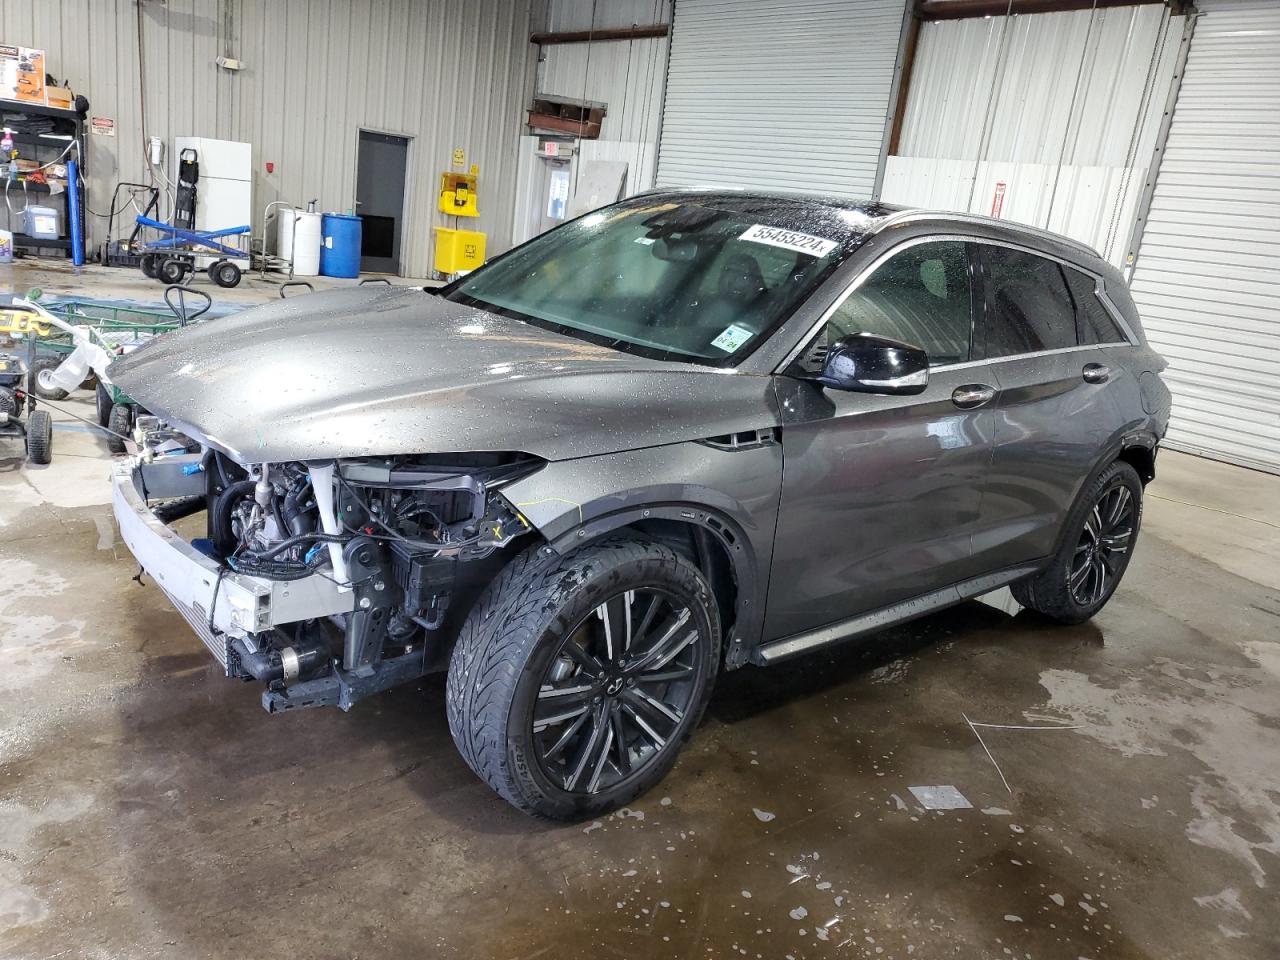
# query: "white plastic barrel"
(304, 244)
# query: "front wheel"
(577, 679)
(41, 381)
(1101, 532)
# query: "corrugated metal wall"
(782, 95)
(1062, 108)
(1207, 277)
(448, 73)
(627, 75)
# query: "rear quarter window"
(1096, 323)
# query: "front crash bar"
(216, 602)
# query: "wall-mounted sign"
(459, 157)
(106, 127)
(997, 199)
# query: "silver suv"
(688, 432)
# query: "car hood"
(365, 371)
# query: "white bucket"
(303, 244)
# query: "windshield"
(702, 279)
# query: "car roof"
(880, 216)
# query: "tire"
(1101, 533)
(531, 687)
(171, 271)
(120, 420)
(149, 265)
(103, 404)
(46, 391)
(39, 437)
(225, 274)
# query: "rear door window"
(1029, 308)
(1096, 324)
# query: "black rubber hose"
(224, 538)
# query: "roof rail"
(907, 216)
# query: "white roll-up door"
(1207, 277)
(779, 94)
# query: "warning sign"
(997, 199)
(103, 126)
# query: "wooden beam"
(610, 33)
(904, 84)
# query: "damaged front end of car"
(328, 580)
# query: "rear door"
(880, 493)
(1055, 411)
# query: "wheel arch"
(708, 537)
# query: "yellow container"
(458, 250)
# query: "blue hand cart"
(178, 254)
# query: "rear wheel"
(225, 273)
(1102, 530)
(149, 265)
(103, 404)
(576, 680)
(120, 421)
(43, 386)
(171, 271)
(39, 437)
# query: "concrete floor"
(149, 808)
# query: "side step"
(865, 623)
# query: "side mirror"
(868, 364)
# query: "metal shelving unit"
(50, 144)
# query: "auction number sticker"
(732, 337)
(789, 240)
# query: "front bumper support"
(216, 602)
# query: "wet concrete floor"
(149, 808)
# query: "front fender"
(732, 493)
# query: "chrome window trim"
(911, 216)
(1099, 290)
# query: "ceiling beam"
(610, 33)
(960, 9)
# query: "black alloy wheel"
(577, 678)
(1108, 530)
(1097, 542)
(617, 690)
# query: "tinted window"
(920, 296)
(1096, 325)
(1028, 305)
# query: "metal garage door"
(1207, 277)
(782, 94)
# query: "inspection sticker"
(731, 338)
(789, 240)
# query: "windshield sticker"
(732, 338)
(647, 241)
(789, 240)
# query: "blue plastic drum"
(339, 245)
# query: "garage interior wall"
(779, 94)
(1207, 274)
(450, 73)
(626, 75)
(1062, 109)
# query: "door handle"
(1096, 373)
(972, 395)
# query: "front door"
(380, 183)
(881, 494)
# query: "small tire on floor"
(120, 420)
(1048, 592)
(225, 274)
(39, 437)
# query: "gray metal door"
(380, 182)
(879, 498)
(781, 94)
(1207, 277)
